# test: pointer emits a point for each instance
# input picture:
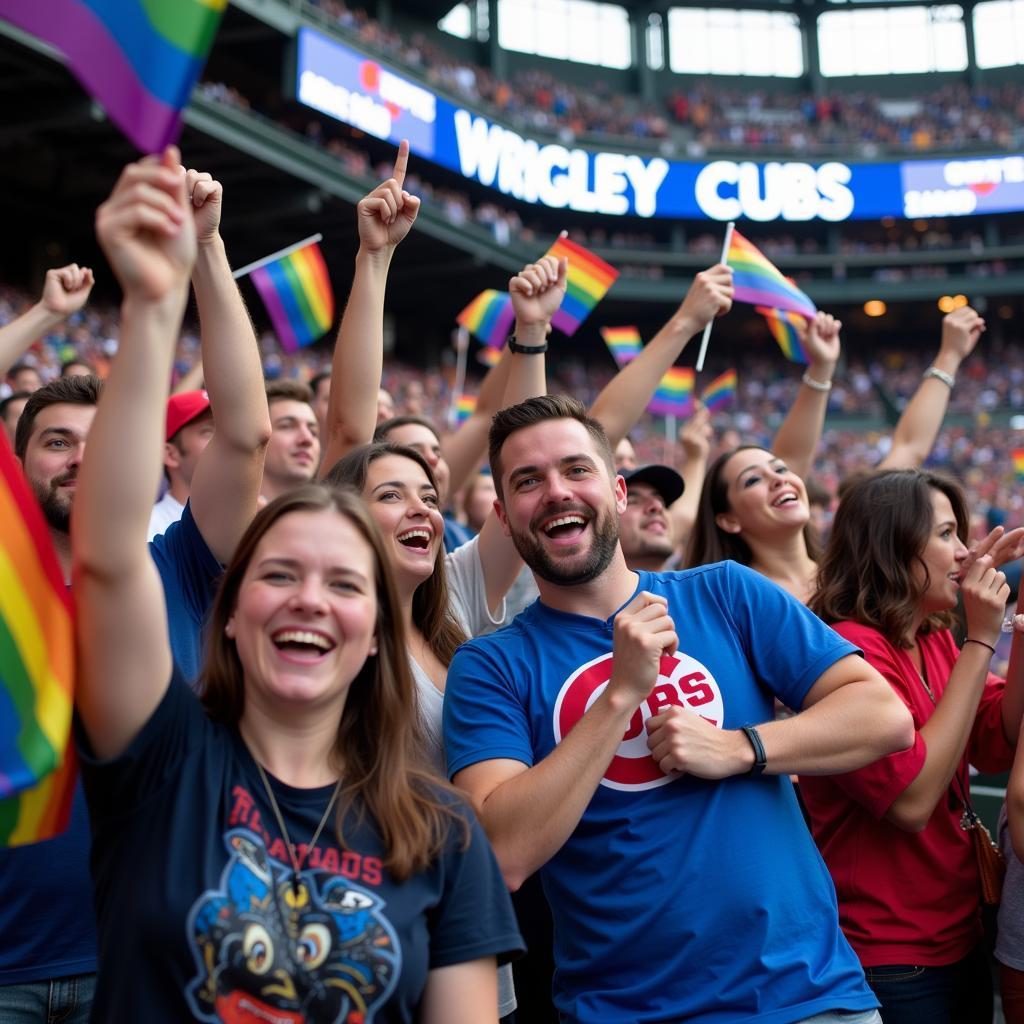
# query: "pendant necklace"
(297, 861)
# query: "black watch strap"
(760, 758)
(525, 350)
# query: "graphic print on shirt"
(267, 950)
(682, 681)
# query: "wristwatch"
(525, 350)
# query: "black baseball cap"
(665, 480)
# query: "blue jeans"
(959, 993)
(61, 1001)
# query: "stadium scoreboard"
(346, 84)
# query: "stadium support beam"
(973, 78)
(495, 54)
(644, 83)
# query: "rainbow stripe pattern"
(465, 406)
(297, 293)
(787, 329)
(720, 392)
(1018, 464)
(623, 343)
(674, 396)
(587, 281)
(138, 58)
(758, 281)
(37, 670)
(490, 357)
(489, 317)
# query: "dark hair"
(292, 390)
(539, 410)
(13, 397)
(431, 604)
(378, 743)
(880, 529)
(78, 390)
(708, 541)
(21, 368)
(316, 380)
(384, 429)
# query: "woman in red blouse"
(905, 870)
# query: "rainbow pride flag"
(623, 343)
(758, 281)
(720, 392)
(490, 357)
(786, 328)
(37, 669)
(297, 293)
(465, 406)
(489, 317)
(138, 58)
(1018, 464)
(587, 282)
(674, 396)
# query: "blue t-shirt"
(675, 898)
(455, 534)
(201, 915)
(47, 924)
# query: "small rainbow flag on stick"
(674, 396)
(465, 406)
(490, 357)
(138, 58)
(489, 317)
(37, 670)
(720, 392)
(787, 329)
(588, 280)
(1018, 464)
(296, 290)
(623, 343)
(758, 281)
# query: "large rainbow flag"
(758, 281)
(489, 317)
(297, 293)
(786, 328)
(721, 391)
(138, 58)
(37, 669)
(623, 342)
(674, 396)
(587, 281)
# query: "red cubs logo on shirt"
(682, 681)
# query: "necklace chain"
(297, 861)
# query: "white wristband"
(946, 378)
(816, 385)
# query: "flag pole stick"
(670, 436)
(707, 330)
(460, 339)
(280, 254)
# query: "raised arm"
(148, 235)
(915, 433)
(65, 291)
(623, 401)
(797, 438)
(695, 437)
(537, 292)
(227, 478)
(530, 812)
(384, 218)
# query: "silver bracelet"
(816, 385)
(946, 378)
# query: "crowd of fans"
(700, 119)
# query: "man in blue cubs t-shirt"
(601, 737)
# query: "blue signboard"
(343, 83)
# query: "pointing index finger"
(401, 162)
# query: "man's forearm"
(529, 818)
(20, 333)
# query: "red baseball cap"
(183, 408)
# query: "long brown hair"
(378, 742)
(431, 606)
(708, 541)
(880, 529)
